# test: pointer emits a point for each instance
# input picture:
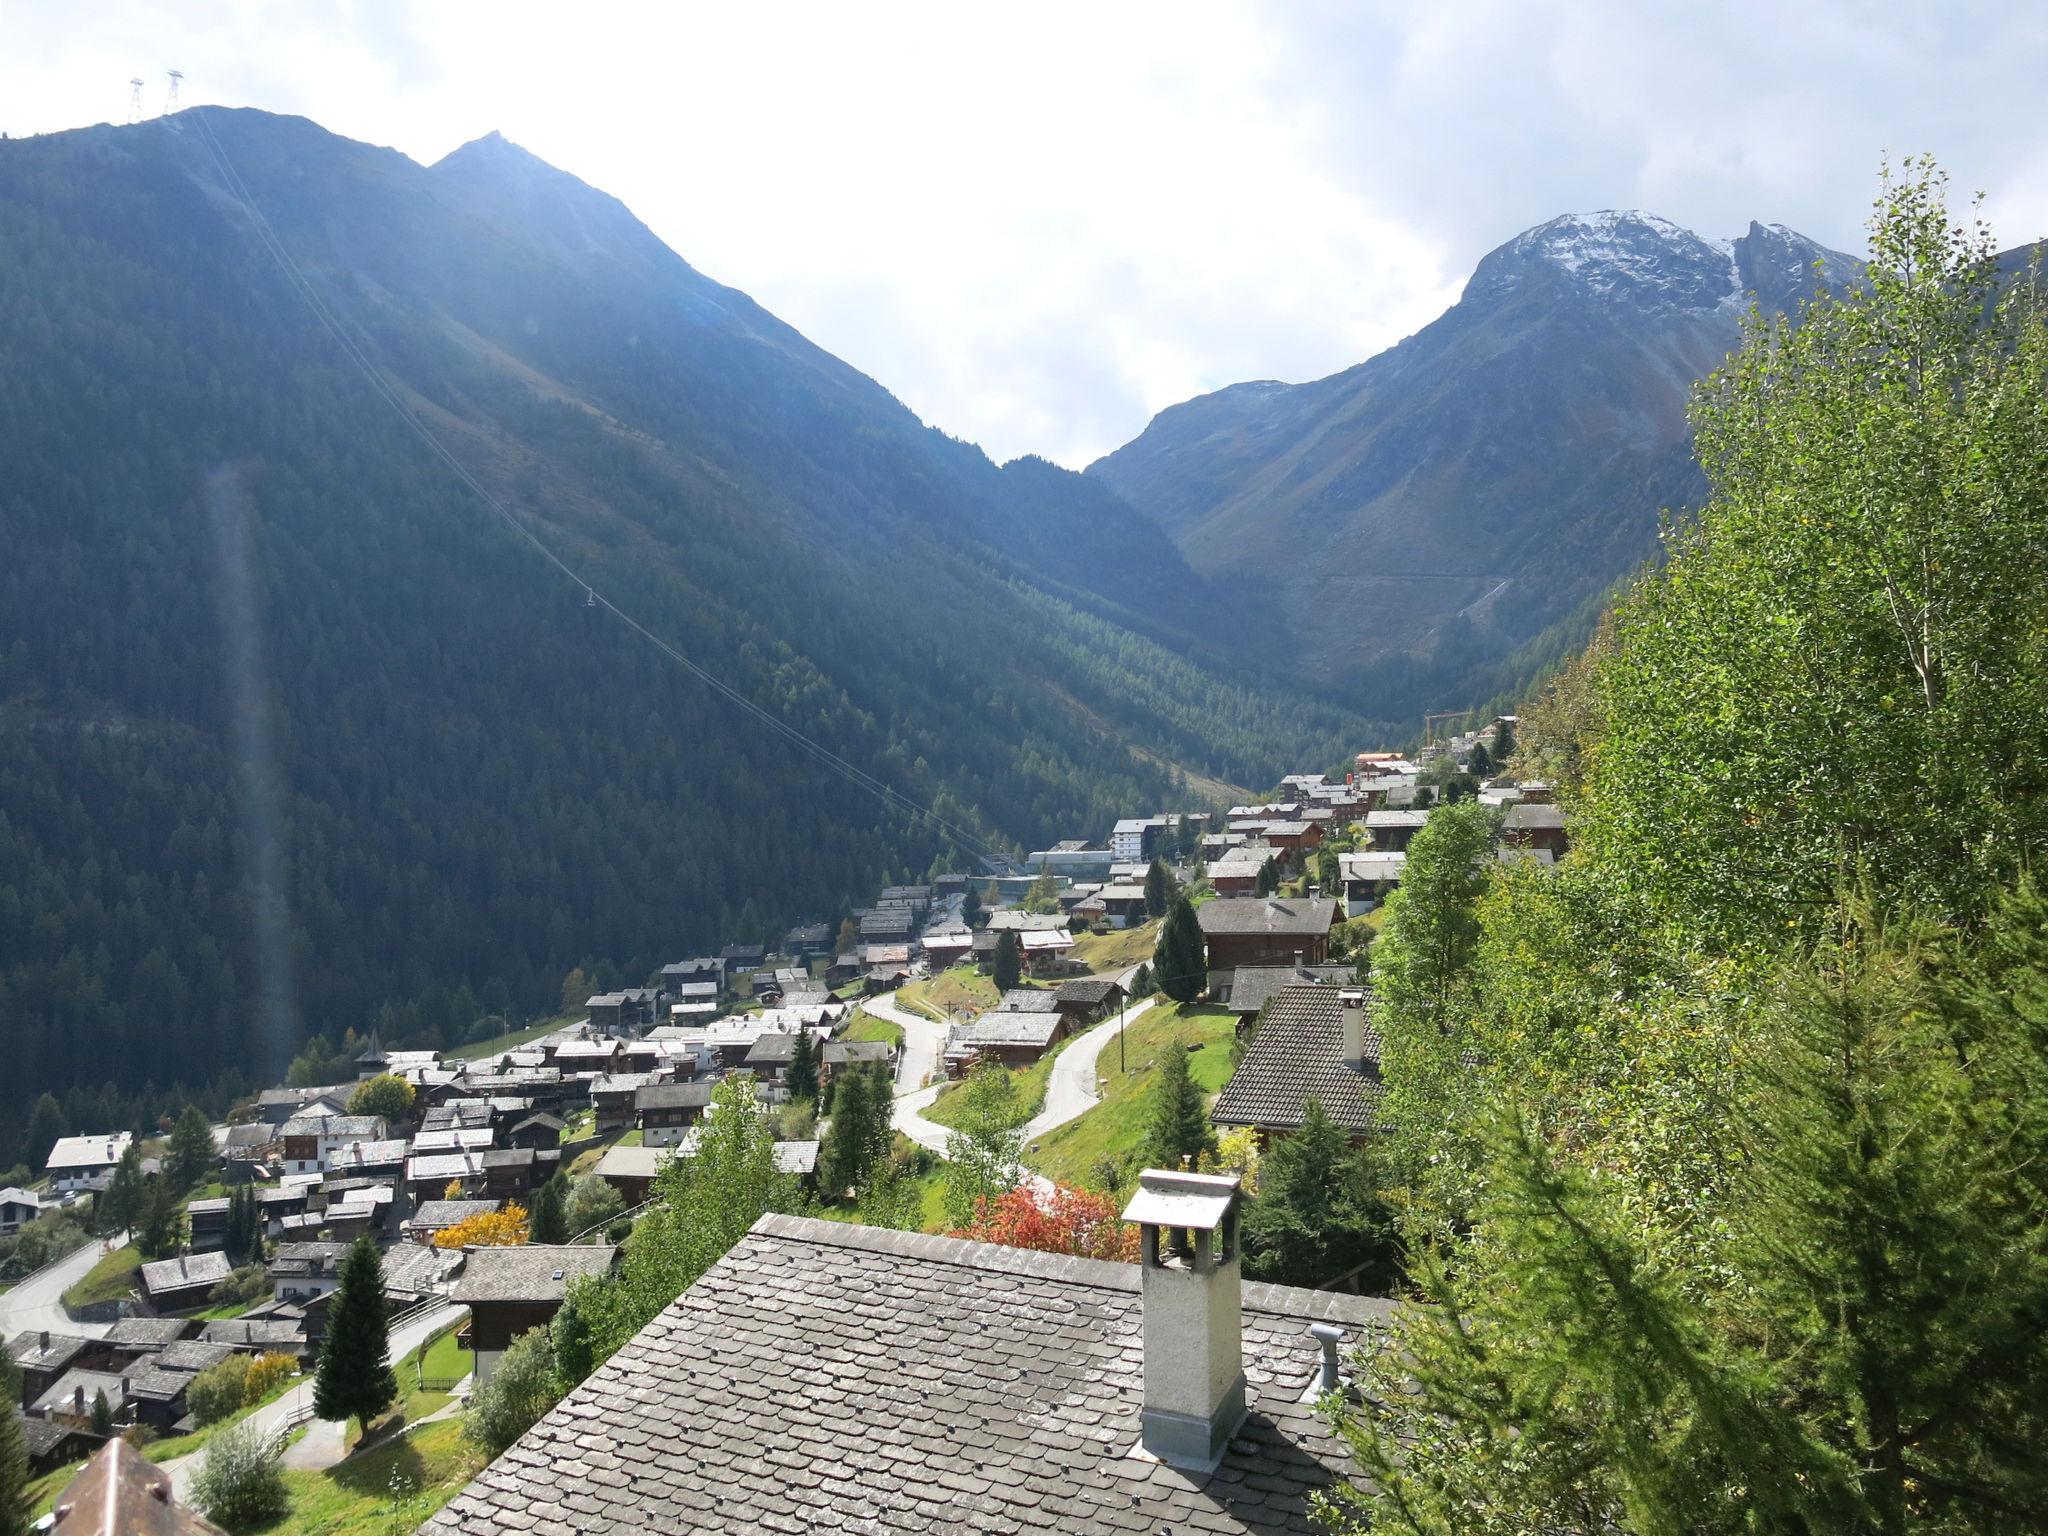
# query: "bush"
(266, 1372)
(591, 1202)
(523, 1387)
(219, 1390)
(238, 1484)
(250, 1283)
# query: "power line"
(893, 798)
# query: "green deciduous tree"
(1842, 672)
(1177, 1131)
(190, 1155)
(1180, 960)
(984, 1155)
(384, 1095)
(1008, 967)
(352, 1380)
(525, 1385)
(593, 1201)
(238, 1485)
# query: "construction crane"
(1429, 723)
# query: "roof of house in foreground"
(1298, 1050)
(994, 1389)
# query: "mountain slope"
(296, 734)
(1440, 505)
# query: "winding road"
(38, 1302)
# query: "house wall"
(1230, 951)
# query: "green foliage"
(1008, 967)
(548, 1220)
(238, 1485)
(160, 1224)
(857, 1140)
(1178, 1133)
(1160, 889)
(1044, 895)
(523, 1387)
(351, 1379)
(243, 1240)
(1317, 1214)
(122, 1203)
(318, 1065)
(985, 1153)
(1180, 962)
(384, 1095)
(219, 1390)
(102, 1418)
(573, 1333)
(592, 1202)
(702, 1205)
(248, 1283)
(1141, 980)
(802, 1077)
(14, 1505)
(1842, 674)
(190, 1155)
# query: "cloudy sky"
(1038, 225)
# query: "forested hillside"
(269, 668)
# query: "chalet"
(844, 968)
(1122, 906)
(209, 1224)
(455, 1138)
(183, 1284)
(301, 1272)
(1294, 836)
(357, 1211)
(1161, 1396)
(845, 1055)
(1237, 872)
(274, 1106)
(538, 1130)
(706, 968)
(1391, 831)
(1088, 1000)
(52, 1445)
(1368, 877)
(1028, 1000)
(1241, 931)
(130, 1338)
(368, 1159)
(428, 1176)
(1537, 825)
(631, 1170)
(76, 1162)
(156, 1395)
(433, 1217)
(948, 946)
(70, 1400)
(43, 1357)
(664, 1111)
(1015, 920)
(510, 1291)
(415, 1272)
(587, 1056)
(1246, 991)
(310, 1141)
(742, 957)
(693, 1000)
(607, 1013)
(1047, 951)
(1012, 1038)
(245, 1147)
(18, 1207)
(888, 925)
(611, 1096)
(514, 1173)
(1311, 1041)
(769, 1057)
(291, 1197)
(808, 939)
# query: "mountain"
(297, 733)
(1490, 476)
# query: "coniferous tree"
(1178, 1132)
(1160, 890)
(802, 1078)
(1008, 968)
(1180, 963)
(160, 1227)
(102, 1415)
(1316, 1215)
(14, 1507)
(1141, 980)
(45, 1129)
(548, 1222)
(970, 906)
(849, 1150)
(352, 1380)
(190, 1153)
(121, 1205)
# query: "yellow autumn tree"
(487, 1229)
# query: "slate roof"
(1001, 1028)
(120, 1493)
(1526, 817)
(87, 1151)
(63, 1393)
(147, 1379)
(532, 1272)
(673, 1095)
(1093, 991)
(857, 1053)
(772, 1051)
(264, 1334)
(28, 1350)
(1298, 1050)
(1303, 916)
(147, 1332)
(189, 1269)
(1251, 987)
(191, 1355)
(446, 1213)
(994, 1390)
(1028, 1000)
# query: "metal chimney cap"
(1326, 1333)
(1198, 1202)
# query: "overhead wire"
(890, 796)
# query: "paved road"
(324, 1444)
(924, 1039)
(37, 1303)
(1071, 1092)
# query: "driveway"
(1071, 1092)
(325, 1442)
(38, 1302)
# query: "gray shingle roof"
(27, 1349)
(188, 1270)
(1305, 916)
(1003, 1028)
(1090, 990)
(1296, 1051)
(1251, 987)
(672, 1095)
(534, 1272)
(1029, 1000)
(877, 1381)
(447, 1213)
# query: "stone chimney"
(1352, 1001)
(1194, 1327)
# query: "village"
(445, 1161)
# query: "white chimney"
(1352, 1001)
(1194, 1326)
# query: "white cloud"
(1038, 226)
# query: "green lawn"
(1114, 953)
(629, 1138)
(444, 1361)
(184, 1445)
(1115, 1128)
(1030, 1081)
(498, 1044)
(867, 1027)
(108, 1280)
(391, 1487)
(963, 988)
